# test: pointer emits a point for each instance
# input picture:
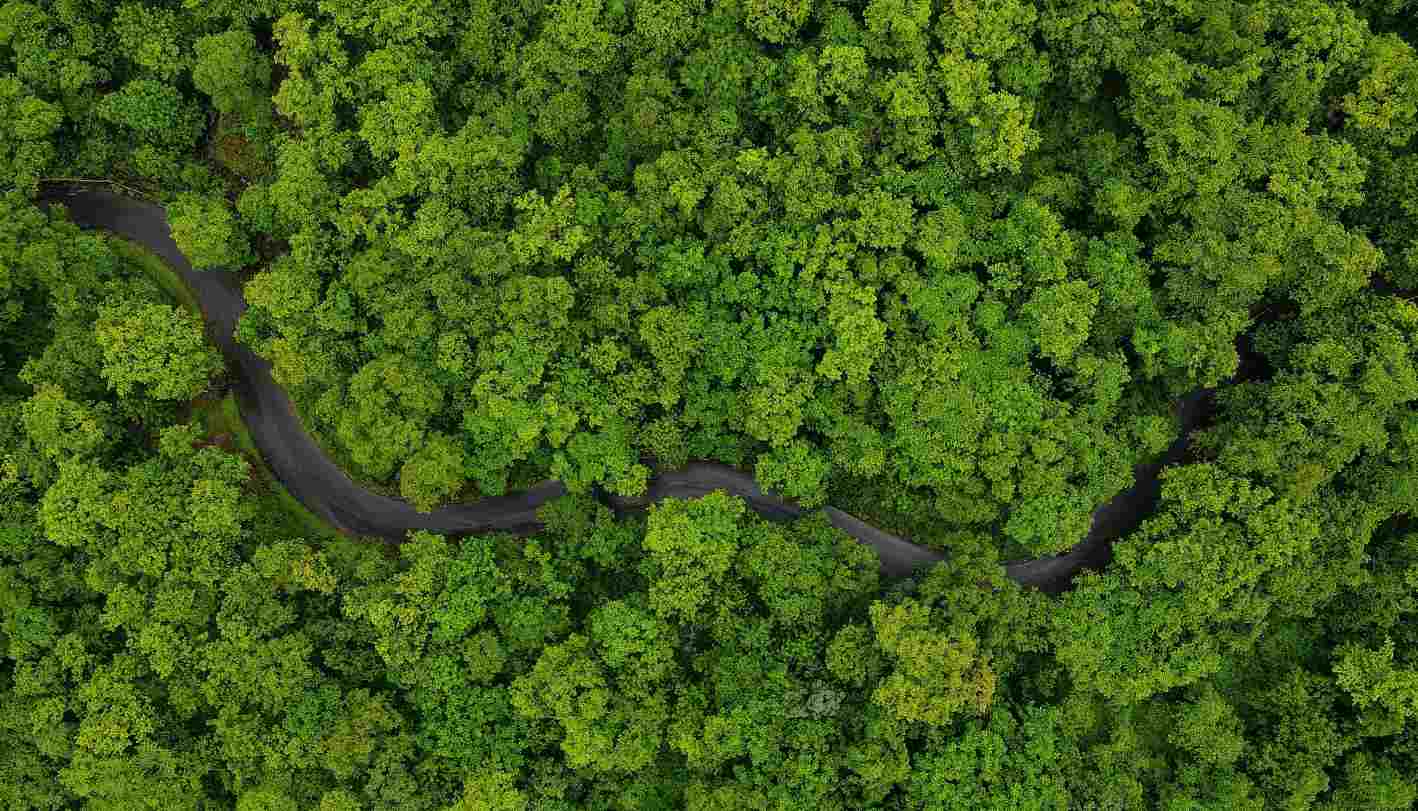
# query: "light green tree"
(158, 347)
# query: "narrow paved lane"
(320, 484)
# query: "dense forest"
(946, 265)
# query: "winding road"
(318, 483)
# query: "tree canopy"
(945, 265)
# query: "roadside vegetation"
(945, 264)
(288, 518)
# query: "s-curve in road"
(313, 478)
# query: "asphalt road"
(320, 484)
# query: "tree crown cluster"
(945, 264)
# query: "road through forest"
(323, 487)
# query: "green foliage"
(153, 38)
(157, 346)
(941, 264)
(230, 68)
(692, 547)
(63, 428)
(1370, 678)
(392, 402)
(154, 111)
(933, 675)
(207, 232)
(27, 150)
(434, 473)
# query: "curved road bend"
(320, 484)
